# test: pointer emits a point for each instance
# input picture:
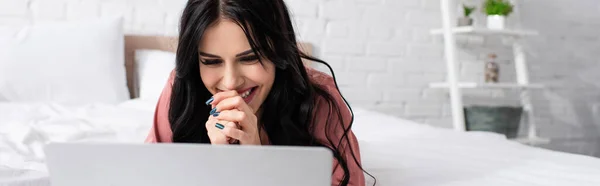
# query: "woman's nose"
(232, 79)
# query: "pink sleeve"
(335, 132)
(161, 128)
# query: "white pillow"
(153, 69)
(65, 62)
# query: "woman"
(239, 79)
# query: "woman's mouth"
(248, 95)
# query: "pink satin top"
(161, 130)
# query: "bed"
(394, 150)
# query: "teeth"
(245, 94)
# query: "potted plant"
(497, 11)
(466, 20)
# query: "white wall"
(567, 58)
(384, 57)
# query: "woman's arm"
(161, 128)
(328, 124)
(357, 177)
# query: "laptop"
(77, 164)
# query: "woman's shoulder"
(323, 106)
(165, 96)
(320, 79)
(161, 130)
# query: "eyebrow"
(215, 56)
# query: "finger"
(232, 115)
(232, 125)
(230, 129)
(210, 124)
(215, 136)
(231, 103)
(219, 139)
(244, 120)
(221, 124)
(218, 97)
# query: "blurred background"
(385, 57)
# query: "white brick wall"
(343, 46)
(83, 10)
(49, 11)
(13, 8)
(384, 56)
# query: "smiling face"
(227, 62)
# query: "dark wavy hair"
(287, 116)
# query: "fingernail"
(213, 111)
(216, 114)
(219, 126)
(210, 100)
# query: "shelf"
(485, 31)
(532, 141)
(487, 85)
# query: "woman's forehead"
(224, 38)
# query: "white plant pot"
(465, 21)
(496, 22)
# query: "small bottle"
(492, 71)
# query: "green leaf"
(468, 10)
(498, 7)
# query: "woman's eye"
(249, 59)
(211, 61)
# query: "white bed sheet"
(25, 128)
(396, 151)
(402, 152)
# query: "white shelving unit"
(449, 33)
(488, 85)
(470, 30)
